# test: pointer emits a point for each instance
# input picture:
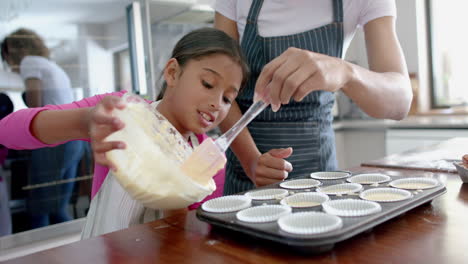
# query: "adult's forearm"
(380, 94)
(383, 91)
(227, 25)
(55, 126)
(243, 146)
(34, 99)
(34, 92)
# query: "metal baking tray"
(317, 243)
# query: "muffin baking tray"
(313, 215)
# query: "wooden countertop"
(431, 233)
(455, 110)
(435, 232)
(410, 122)
(437, 158)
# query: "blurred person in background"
(46, 83)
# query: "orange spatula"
(208, 158)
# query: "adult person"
(46, 84)
(295, 51)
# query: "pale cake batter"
(384, 196)
(302, 203)
(414, 185)
(149, 169)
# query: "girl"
(202, 78)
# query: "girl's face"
(199, 96)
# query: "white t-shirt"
(280, 17)
(55, 82)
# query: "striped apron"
(305, 126)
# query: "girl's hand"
(101, 124)
(296, 73)
(271, 167)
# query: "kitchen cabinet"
(364, 140)
(354, 146)
(401, 139)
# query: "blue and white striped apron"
(305, 126)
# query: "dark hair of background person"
(23, 42)
(204, 42)
(6, 105)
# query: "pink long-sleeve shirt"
(15, 133)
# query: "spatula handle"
(226, 139)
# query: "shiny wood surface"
(436, 158)
(436, 232)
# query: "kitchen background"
(91, 41)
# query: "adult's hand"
(296, 73)
(271, 167)
(465, 160)
(101, 124)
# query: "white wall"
(97, 68)
(117, 32)
(164, 38)
(406, 28)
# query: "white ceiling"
(57, 22)
(60, 13)
(48, 16)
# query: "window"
(448, 52)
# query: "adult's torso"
(305, 126)
(259, 51)
(55, 83)
(279, 18)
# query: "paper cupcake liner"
(340, 189)
(305, 200)
(263, 213)
(369, 178)
(300, 184)
(309, 223)
(385, 195)
(267, 194)
(351, 207)
(330, 175)
(227, 204)
(416, 183)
